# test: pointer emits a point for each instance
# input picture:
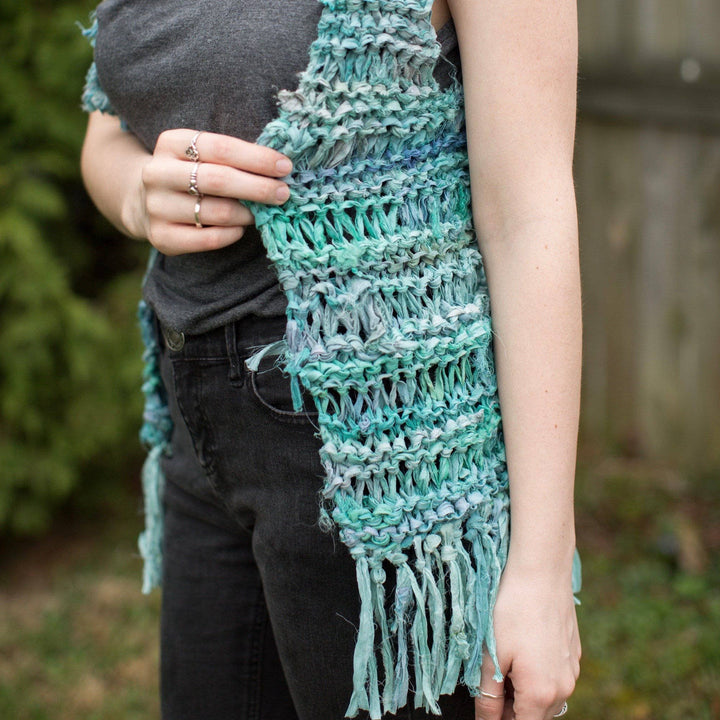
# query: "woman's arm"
(111, 164)
(519, 61)
(145, 195)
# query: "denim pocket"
(199, 388)
(217, 436)
(270, 386)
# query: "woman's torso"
(214, 66)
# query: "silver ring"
(192, 185)
(562, 711)
(198, 224)
(191, 151)
(490, 695)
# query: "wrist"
(133, 212)
(547, 560)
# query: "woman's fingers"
(176, 207)
(489, 708)
(209, 179)
(224, 181)
(193, 183)
(225, 150)
(490, 704)
(537, 699)
(171, 239)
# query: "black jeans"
(260, 607)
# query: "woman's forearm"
(111, 164)
(519, 61)
(534, 283)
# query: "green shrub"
(69, 351)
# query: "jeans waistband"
(240, 338)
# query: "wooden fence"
(648, 186)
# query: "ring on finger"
(191, 151)
(562, 710)
(196, 213)
(490, 695)
(193, 184)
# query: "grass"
(77, 639)
(650, 618)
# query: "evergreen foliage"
(69, 349)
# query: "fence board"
(647, 171)
(650, 254)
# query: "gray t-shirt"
(214, 66)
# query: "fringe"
(470, 562)
(150, 540)
(155, 435)
(93, 96)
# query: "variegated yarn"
(389, 331)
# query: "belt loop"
(159, 336)
(237, 373)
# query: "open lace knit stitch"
(389, 330)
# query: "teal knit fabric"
(389, 330)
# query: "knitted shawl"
(388, 329)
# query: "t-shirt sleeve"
(93, 96)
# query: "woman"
(259, 606)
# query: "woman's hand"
(146, 195)
(229, 169)
(538, 648)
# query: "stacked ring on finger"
(194, 190)
(191, 151)
(193, 184)
(196, 213)
(490, 695)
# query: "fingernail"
(282, 193)
(283, 166)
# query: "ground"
(77, 638)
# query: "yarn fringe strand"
(450, 572)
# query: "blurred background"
(76, 636)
